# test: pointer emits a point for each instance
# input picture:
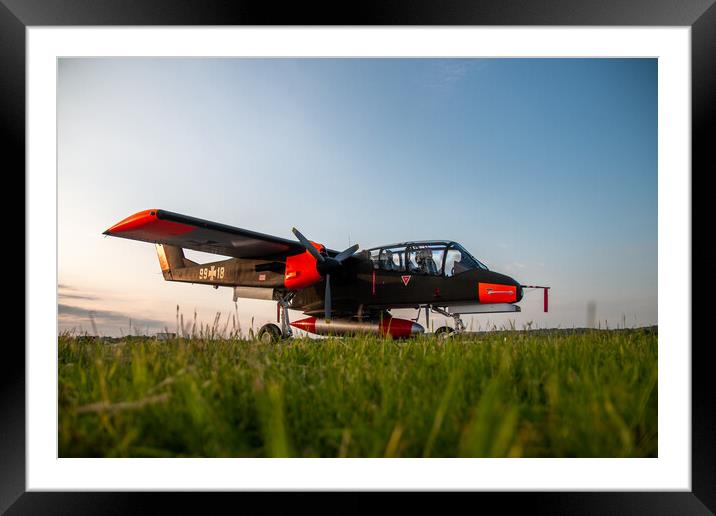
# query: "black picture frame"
(700, 15)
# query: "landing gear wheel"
(443, 332)
(269, 333)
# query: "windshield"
(458, 260)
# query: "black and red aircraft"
(340, 292)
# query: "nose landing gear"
(446, 331)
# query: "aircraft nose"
(494, 287)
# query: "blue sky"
(545, 169)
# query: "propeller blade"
(327, 301)
(347, 253)
(308, 245)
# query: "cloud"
(64, 295)
(74, 315)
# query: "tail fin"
(172, 257)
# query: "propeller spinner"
(325, 265)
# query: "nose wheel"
(445, 331)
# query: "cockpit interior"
(434, 258)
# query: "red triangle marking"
(406, 280)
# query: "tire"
(269, 334)
(443, 332)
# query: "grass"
(500, 394)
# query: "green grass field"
(502, 394)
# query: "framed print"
(107, 108)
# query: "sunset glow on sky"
(544, 169)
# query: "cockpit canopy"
(435, 258)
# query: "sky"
(544, 169)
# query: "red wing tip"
(133, 221)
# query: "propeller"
(325, 265)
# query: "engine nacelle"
(301, 270)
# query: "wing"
(166, 227)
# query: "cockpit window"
(392, 259)
(458, 260)
(426, 259)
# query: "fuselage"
(370, 282)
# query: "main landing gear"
(270, 332)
